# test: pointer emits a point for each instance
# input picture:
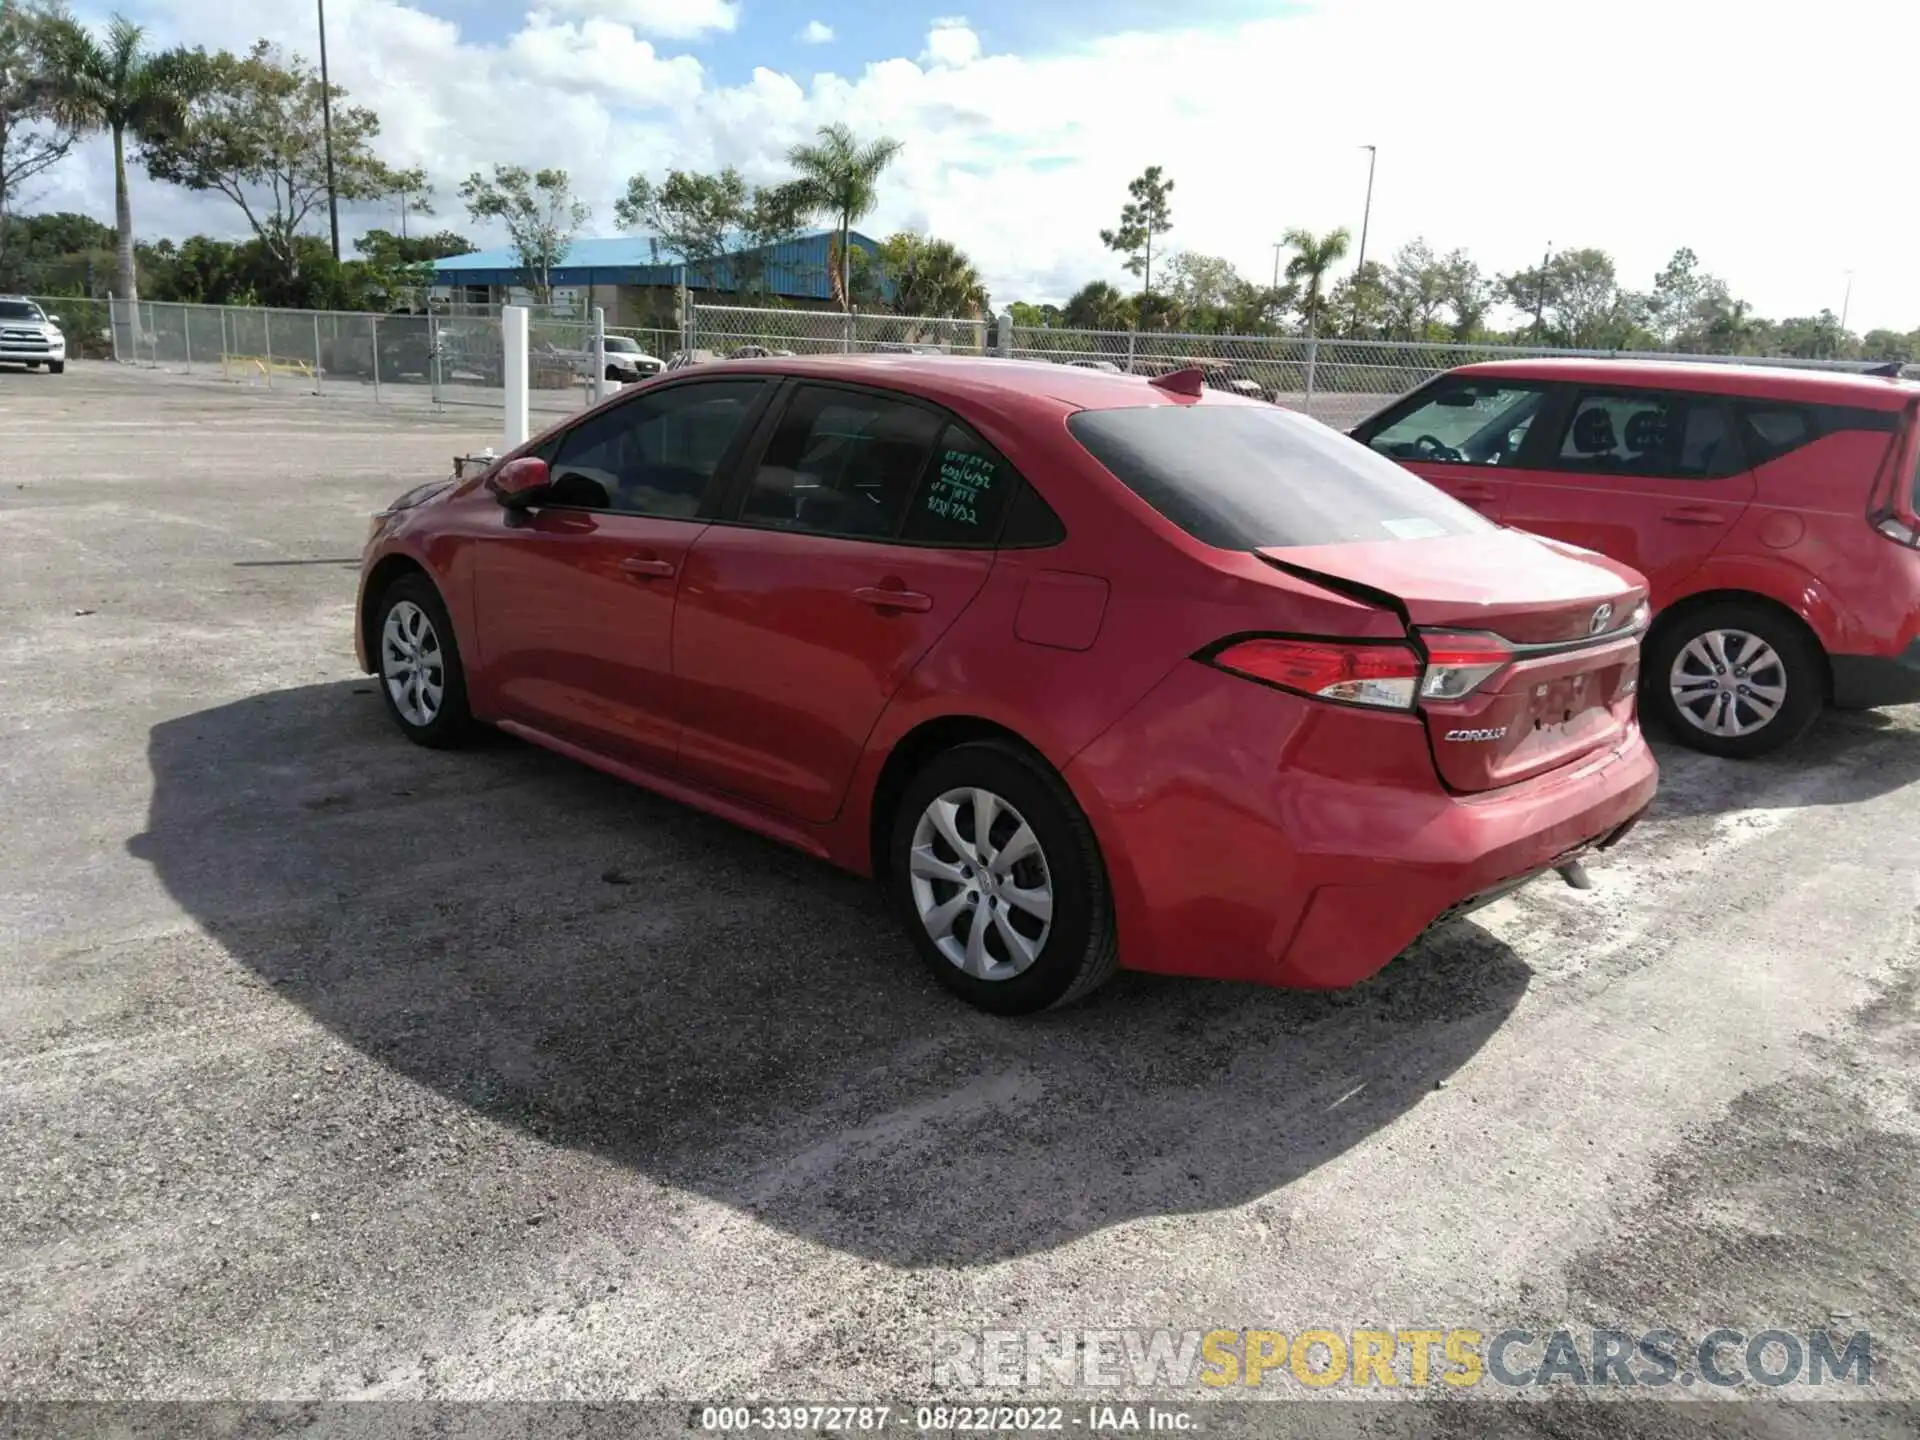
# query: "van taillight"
(1386, 677)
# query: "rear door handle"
(883, 597)
(647, 565)
(1691, 515)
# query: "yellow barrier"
(265, 365)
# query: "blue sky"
(1503, 126)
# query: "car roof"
(988, 381)
(1760, 382)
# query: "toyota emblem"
(1600, 619)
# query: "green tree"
(1149, 212)
(1035, 317)
(1579, 300)
(1097, 306)
(255, 135)
(696, 217)
(840, 176)
(933, 277)
(1360, 306)
(1313, 257)
(54, 253)
(32, 138)
(1814, 337)
(118, 86)
(540, 212)
(1414, 289)
(413, 191)
(398, 269)
(1467, 293)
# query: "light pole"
(1845, 301)
(326, 128)
(1278, 246)
(1373, 155)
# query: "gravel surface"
(335, 1068)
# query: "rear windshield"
(1244, 477)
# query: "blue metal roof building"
(798, 269)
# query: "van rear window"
(1242, 477)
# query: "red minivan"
(1772, 510)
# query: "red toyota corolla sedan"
(1091, 670)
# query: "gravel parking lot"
(332, 1067)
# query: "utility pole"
(1540, 291)
(1278, 246)
(1373, 155)
(326, 126)
(1846, 302)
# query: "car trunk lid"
(1550, 635)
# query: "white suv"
(29, 336)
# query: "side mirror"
(520, 483)
(53, 319)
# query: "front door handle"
(647, 565)
(885, 597)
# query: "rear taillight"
(1460, 663)
(1386, 677)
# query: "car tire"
(1762, 654)
(56, 367)
(1009, 928)
(413, 645)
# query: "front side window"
(1465, 422)
(1660, 434)
(842, 463)
(655, 455)
(1246, 477)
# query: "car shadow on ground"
(607, 970)
(1848, 755)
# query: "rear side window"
(1242, 477)
(1770, 429)
(965, 492)
(1661, 434)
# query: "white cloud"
(952, 42)
(668, 19)
(817, 32)
(1022, 159)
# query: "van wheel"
(1734, 679)
(999, 879)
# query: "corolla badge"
(1600, 618)
(1475, 735)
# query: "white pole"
(513, 326)
(599, 353)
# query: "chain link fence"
(720, 331)
(431, 360)
(459, 358)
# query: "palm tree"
(937, 279)
(126, 90)
(840, 177)
(1096, 306)
(1314, 255)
